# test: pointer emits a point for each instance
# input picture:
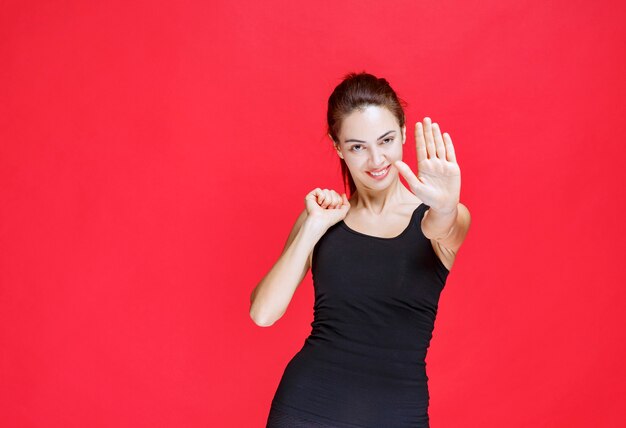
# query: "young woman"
(379, 262)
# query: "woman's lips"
(380, 176)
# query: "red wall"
(154, 155)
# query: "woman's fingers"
(311, 200)
(327, 198)
(405, 171)
(319, 195)
(336, 200)
(322, 198)
(420, 143)
(408, 175)
(439, 145)
(331, 199)
(451, 156)
(345, 201)
(428, 136)
(313, 195)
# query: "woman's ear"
(338, 151)
(336, 146)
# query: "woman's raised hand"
(326, 207)
(438, 184)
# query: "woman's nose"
(377, 157)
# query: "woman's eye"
(357, 147)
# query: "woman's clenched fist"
(326, 207)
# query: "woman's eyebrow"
(353, 140)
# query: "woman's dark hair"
(355, 92)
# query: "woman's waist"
(374, 341)
(343, 360)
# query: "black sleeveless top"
(363, 365)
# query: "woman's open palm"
(438, 183)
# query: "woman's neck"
(378, 202)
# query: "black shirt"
(376, 300)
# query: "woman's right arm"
(271, 297)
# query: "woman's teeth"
(380, 173)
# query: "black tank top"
(363, 365)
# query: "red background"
(154, 155)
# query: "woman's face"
(369, 142)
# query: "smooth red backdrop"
(154, 155)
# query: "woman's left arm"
(438, 185)
(448, 229)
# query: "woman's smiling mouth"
(380, 174)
